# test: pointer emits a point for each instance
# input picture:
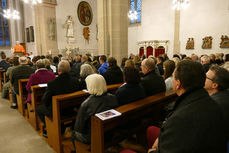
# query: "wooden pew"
(60, 103)
(21, 97)
(150, 106)
(5, 78)
(36, 99)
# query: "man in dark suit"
(196, 124)
(151, 82)
(63, 84)
(217, 85)
(23, 71)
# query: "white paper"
(43, 85)
(85, 90)
(108, 114)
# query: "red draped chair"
(141, 51)
(159, 51)
(149, 51)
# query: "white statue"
(69, 27)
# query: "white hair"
(86, 70)
(96, 84)
(205, 58)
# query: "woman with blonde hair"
(168, 67)
(98, 101)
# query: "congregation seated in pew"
(98, 101)
(41, 76)
(131, 90)
(23, 71)
(85, 70)
(63, 84)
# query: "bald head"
(23, 60)
(63, 67)
(147, 65)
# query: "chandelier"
(180, 4)
(33, 2)
(133, 15)
(11, 14)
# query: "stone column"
(43, 14)
(113, 28)
(176, 45)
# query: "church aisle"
(17, 135)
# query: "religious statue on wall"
(190, 43)
(52, 28)
(86, 33)
(224, 42)
(207, 42)
(69, 29)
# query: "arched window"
(4, 27)
(136, 5)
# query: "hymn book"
(108, 114)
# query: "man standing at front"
(196, 124)
(19, 49)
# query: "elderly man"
(23, 71)
(19, 49)
(196, 123)
(205, 61)
(63, 84)
(217, 85)
(151, 82)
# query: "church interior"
(118, 33)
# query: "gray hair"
(96, 84)
(64, 66)
(40, 64)
(86, 70)
(23, 60)
(149, 63)
(47, 62)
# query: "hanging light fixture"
(180, 4)
(11, 14)
(133, 15)
(33, 2)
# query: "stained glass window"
(4, 27)
(136, 5)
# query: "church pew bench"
(5, 78)
(59, 104)
(36, 100)
(10, 94)
(21, 97)
(150, 106)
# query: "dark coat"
(4, 65)
(160, 67)
(63, 84)
(152, 83)
(92, 105)
(195, 126)
(75, 70)
(128, 93)
(222, 98)
(20, 72)
(206, 67)
(113, 75)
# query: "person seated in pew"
(113, 74)
(98, 101)
(196, 123)
(168, 67)
(151, 82)
(85, 70)
(23, 71)
(6, 86)
(103, 63)
(3, 63)
(131, 90)
(63, 84)
(41, 76)
(217, 85)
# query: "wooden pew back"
(60, 103)
(21, 97)
(1, 79)
(150, 106)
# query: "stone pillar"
(43, 14)
(176, 45)
(113, 28)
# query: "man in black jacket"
(217, 85)
(196, 124)
(63, 84)
(151, 82)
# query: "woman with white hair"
(98, 101)
(85, 70)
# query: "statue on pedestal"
(69, 29)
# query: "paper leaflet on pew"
(43, 85)
(108, 114)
